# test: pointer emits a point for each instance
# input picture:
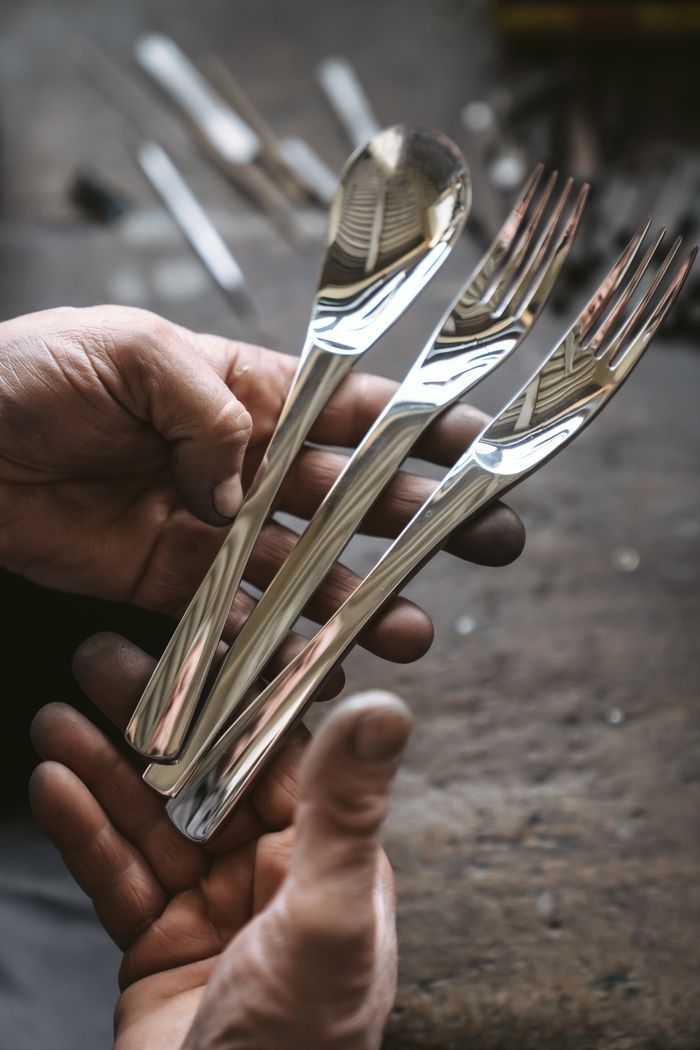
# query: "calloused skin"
(281, 931)
(120, 431)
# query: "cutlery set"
(399, 208)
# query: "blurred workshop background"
(545, 828)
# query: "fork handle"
(365, 476)
(163, 715)
(231, 765)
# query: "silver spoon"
(400, 206)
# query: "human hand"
(121, 434)
(278, 933)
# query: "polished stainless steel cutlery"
(399, 208)
(570, 387)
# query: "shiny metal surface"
(572, 385)
(401, 204)
(203, 237)
(485, 323)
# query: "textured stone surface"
(545, 828)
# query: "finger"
(126, 895)
(113, 672)
(190, 546)
(345, 782)
(62, 734)
(345, 419)
(350, 411)
(271, 866)
(403, 632)
(495, 537)
(275, 795)
(164, 381)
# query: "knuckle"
(233, 422)
(359, 817)
(158, 332)
(346, 935)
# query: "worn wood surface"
(545, 826)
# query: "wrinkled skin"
(281, 932)
(117, 429)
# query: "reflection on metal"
(488, 319)
(572, 385)
(352, 309)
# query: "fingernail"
(228, 496)
(382, 735)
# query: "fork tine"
(634, 351)
(503, 241)
(512, 264)
(598, 303)
(628, 290)
(532, 292)
(611, 350)
(530, 265)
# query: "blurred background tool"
(197, 227)
(291, 159)
(347, 99)
(227, 138)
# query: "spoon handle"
(165, 711)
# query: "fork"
(571, 386)
(488, 319)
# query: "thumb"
(192, 408)
(345, 780)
